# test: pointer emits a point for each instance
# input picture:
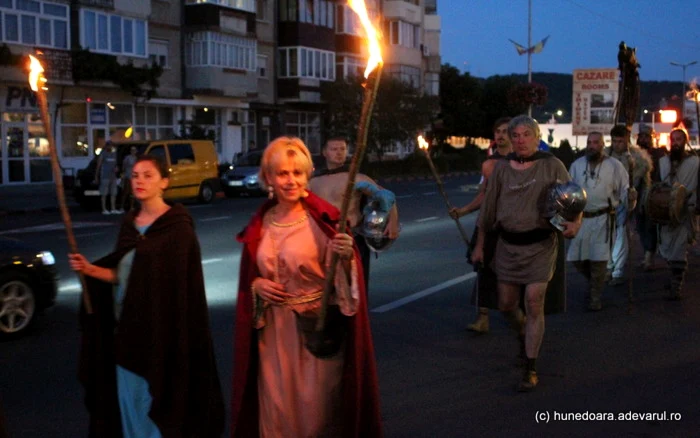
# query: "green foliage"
(400, 112)
(88, 66)
(416, 164)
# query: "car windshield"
(249, 160)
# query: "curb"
(428, 177)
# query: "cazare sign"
(595, 93)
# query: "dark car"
(242, 175)
(28, 285)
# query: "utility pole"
(529, 52)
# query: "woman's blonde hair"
(292, 147)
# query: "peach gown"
(299, 394)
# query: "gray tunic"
(674, 241)
(514, 202)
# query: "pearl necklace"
(288, 224)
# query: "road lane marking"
(199, 206)
(55, 226)
(220, 218)
(426, 219)
(429, 193)
(83, 235)
(422, 294)
(207, 261)
(404, 196)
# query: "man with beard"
(680, 166)
(606, 183)
(526, 251)
(648, 233)
(639, 163)
(487, 294)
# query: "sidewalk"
(29, 198)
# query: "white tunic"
(674, 241)
(606, 180)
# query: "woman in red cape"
(278, 386)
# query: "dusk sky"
(582, 34)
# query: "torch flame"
(694, 93)
(35, 73)
(375, 52)
(422, 143)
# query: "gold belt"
(304, 298)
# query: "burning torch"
(373, 74)
(36, 76)
(694, 95)
(425, 147)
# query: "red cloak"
(360, 390)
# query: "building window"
(407, 74)
(244, 5)
(113, 34)
(306, 126)
(404, 34)
(262, 66)
(310, 63)
(352, 66)
(154, 122)
(209, 49)
(262, 12)
(158, 52)
(432, 84)
(317, 12)
(348, 21)
(34, 23)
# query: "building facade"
(238, 71)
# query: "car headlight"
(252, 179)
(47, 258)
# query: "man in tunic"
(638, 162)
(681, 167)
(527, 246)
(647, 230)
(487, 293)
(606, 183)
(330, 186)
(106, 175)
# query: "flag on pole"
(537, 48)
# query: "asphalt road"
(435, 378)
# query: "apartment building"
(244, 71)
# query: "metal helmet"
(373, 228)
(566, 199)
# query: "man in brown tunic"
(527, 247)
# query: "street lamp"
(683, 66)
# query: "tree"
(400, 112)
(460, 102)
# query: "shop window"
(74, 141)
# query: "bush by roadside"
(416, 164)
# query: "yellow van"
(193, 165)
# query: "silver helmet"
(373, 228)
(566, 199)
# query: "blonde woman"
(280, 387)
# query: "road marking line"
(82, 235)
(74, 285)
(426, 219)
(220, 218)
(404, 196)
(199, 206)
(422, 294)
(207, 261)
(429, 193)
(55, 226)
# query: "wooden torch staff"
(425, 147)
(36, 76)
(370, 95)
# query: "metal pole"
(529, 52)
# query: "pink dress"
(299, 394)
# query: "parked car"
(242, 176)
(28, 285)
(193, 168)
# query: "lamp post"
(682, 95)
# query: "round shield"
(373, 228)
(566, 199)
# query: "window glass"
(6, 4)
(140, 38)
(283, 62)
(151, 115)
(121, 114)
(29, 5)
(165, 115)
(60, 34)
(181, 153)
(140, 115)
(158, 151)
(55, 10)
(11, 27)
(90, 28)
(102, 33)
(115, 24)
(293, 63)
(44, 32)
(74, 141)
(128, 36)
